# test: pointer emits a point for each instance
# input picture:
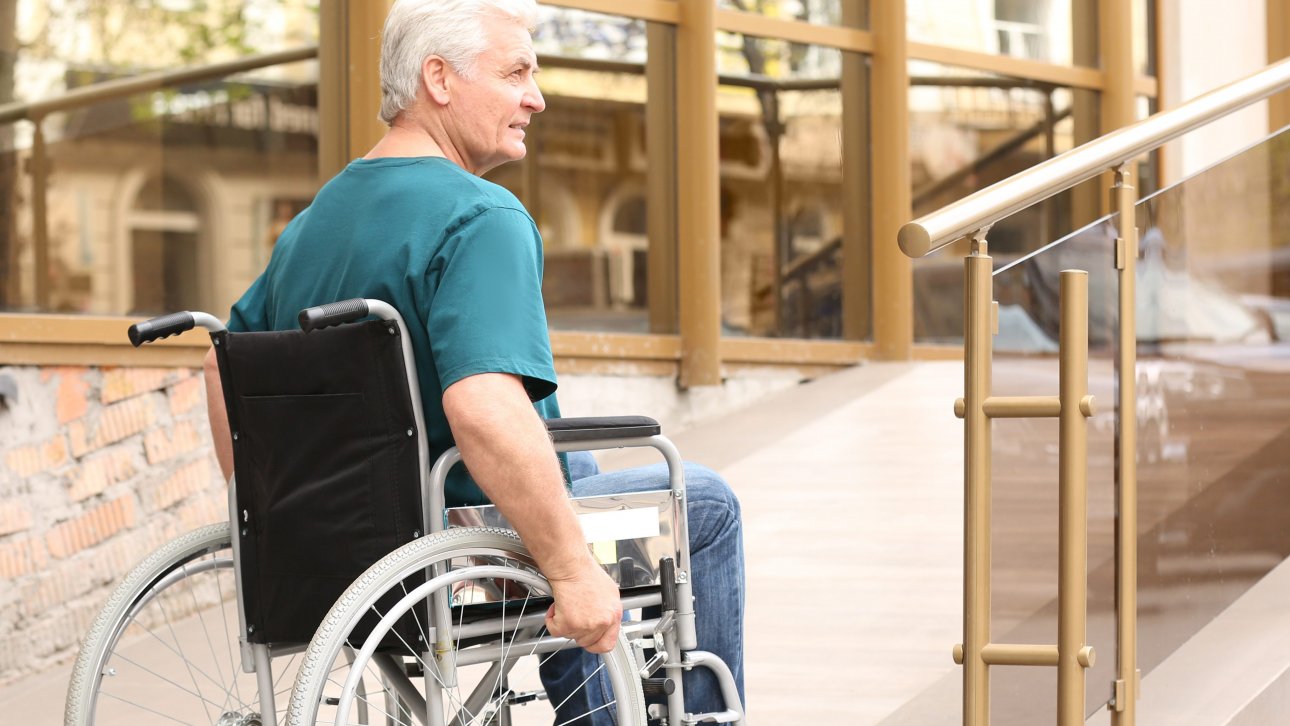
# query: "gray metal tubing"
(433, 493)
(734, 712)
(503, 662)
(539, 646)
(264, 679)
(486, 653)
(403, 686)
(234, 533)
(385, 311)
(208, 321)
(982, 209)
(495, 626)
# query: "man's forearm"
(509, 454)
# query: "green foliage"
(136, 35)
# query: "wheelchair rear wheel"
(166, 643)
(487, 670)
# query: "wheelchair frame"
(674, 633)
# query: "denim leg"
(717, 561)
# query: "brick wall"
(98, 467)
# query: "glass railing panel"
(1026, 470)
(1213, 378)
(1025, 493)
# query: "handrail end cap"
(914, 240)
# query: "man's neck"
(406, 140)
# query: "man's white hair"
(451, 29)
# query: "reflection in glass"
(781, 188)
(1214, 362)
(162, 200)
(586, 176)
(969, 130)
(1041, 30)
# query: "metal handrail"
(933, 231)
(125, 87)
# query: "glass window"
(820, 12)
(781, 188)
(969, 130)
(157, 201)
(585, 178)
(1042, 30)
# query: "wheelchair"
(343, 588)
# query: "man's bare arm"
(222, 440)
(507, 449)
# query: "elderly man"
(413, 224)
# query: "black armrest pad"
(601, 427)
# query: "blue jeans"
(717, 561)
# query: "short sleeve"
(251, 311)
(486, 315)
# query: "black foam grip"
(658, 686)
(337, 313)
(158, 328)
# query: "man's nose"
(533, 98)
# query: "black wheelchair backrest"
(326, 463)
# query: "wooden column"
(1086, 198)
(1278, 48)
(698, 198)
(660, 149)
(1119, 103)
(349, 85)
(893, 298)
(1115, 33)
(857, 221)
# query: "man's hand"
(587, 609)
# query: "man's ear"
(436, 77)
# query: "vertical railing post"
(1072, 565)
(1124, 701)
(977, 344)
(40, 212)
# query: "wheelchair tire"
(136, 663)
(483, 561)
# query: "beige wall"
(1208, 44)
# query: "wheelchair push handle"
(165, 326)
(162, 327)
(337, 313)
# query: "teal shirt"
(459, 257)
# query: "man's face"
(491, 109)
